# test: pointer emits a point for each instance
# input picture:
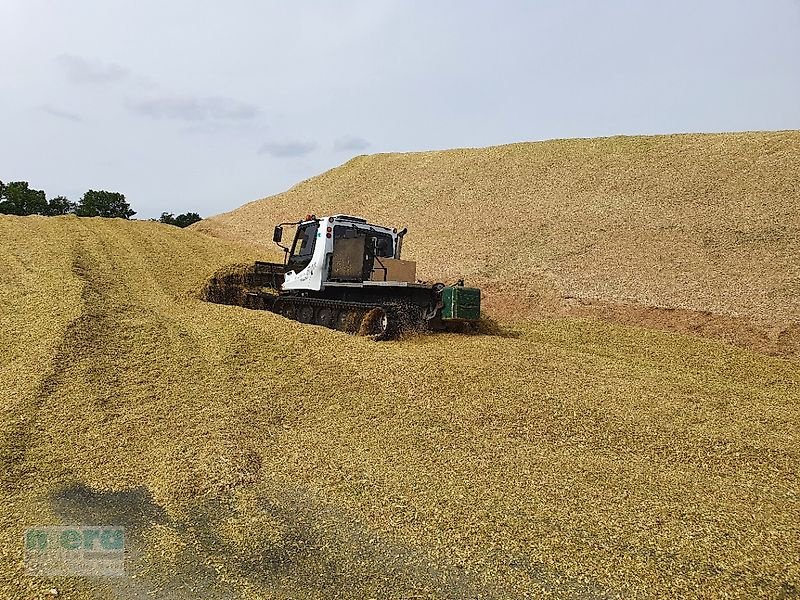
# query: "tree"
(104, 204)
(182, 220)
(186, 219)
(16, 198)
(59, 206)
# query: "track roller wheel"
(305, 314)
(380, 323)
(340, 319)
(346, 320)
(324, 316)
(287, 310)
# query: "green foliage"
(59, 205)
(182, 220)
(186, 219)
(16, 198)
(99, 203)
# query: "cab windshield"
(303, 247)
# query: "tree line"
(17, 198)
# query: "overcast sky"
(204, 105)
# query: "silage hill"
(689, 232)
(253, 457)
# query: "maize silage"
(698, 223)
(253, 457)
(229, 285)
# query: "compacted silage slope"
(708, 224)
(253, 457)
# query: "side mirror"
(277, 235)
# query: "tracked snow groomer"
(345, 273)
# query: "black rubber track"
(348, 316)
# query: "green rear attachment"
(461, 304)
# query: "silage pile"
(253, 457)
(700, 223)
(229, 285)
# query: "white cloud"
(349, 143)
(62, 114)
(288, 148)
(85, 71)
(189, 108)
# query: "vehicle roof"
(353, 219)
